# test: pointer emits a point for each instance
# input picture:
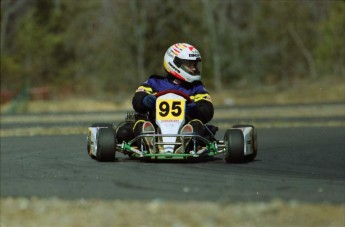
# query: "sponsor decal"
(194, 55)
(170, 120)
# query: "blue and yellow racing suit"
(197, 92)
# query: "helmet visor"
(192, 67)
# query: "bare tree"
(214, 43)
(303, 49)
(139, 21)
(8, 8)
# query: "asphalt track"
(294, 164)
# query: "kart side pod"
(240, 144)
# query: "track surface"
(304, 164)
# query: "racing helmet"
(183, 61)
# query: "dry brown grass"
(54, 212)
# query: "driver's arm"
(203, 111)
(145, 89)
(137, 101)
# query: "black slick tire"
(106, 145)
(234, 142)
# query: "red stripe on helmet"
(178, 51)
(177, 75)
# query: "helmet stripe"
(176, 50)
(177, 75)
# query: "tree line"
(93, 46)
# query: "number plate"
(170, 109)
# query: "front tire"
(95, 125)
(251, 157)
(106, 145)
(234, 142)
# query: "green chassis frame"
(212, 148)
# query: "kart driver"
(182, 62)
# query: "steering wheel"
(177, 92)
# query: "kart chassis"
(239, 144)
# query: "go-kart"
(168, 140)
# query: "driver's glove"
(149, 101)
(190, 108)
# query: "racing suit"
(203, 109)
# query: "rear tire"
(234, 142)
(106, 145)
(251, 157)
